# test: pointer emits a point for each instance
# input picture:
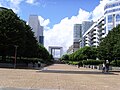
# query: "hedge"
(92, 62)
(115, 63)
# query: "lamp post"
(15, 55)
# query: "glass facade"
(105, 20)
(110, 27)
(113, 10)
(112, 5)
(105, 29)
(110, 19)
(86, 25)
(77, 32)
(41, 40)
(117, 17)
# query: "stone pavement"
(58, 77)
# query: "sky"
(58, 16)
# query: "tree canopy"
(84, 54)
(109, 47)
(15, 32)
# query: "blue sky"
(56, 10)
(58, 16)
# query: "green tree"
(65, 57)
(14, 31)
(110, 45)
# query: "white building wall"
(111, 9)
(36, 27)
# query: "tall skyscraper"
(77, 36)
(36, 28)
(86, 25)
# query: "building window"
(110, 19)
(105, 20)
(117, 17)
(113, 5)
(110, 27)
(105, 29)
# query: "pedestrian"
(107, 65)
(103, 67)
(39, 64)
(79, 65)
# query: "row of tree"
(108, 49)
(82, 54)
(15, 32)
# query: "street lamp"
(15, 55)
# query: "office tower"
(36, 28)
(77, 34)
(86, 25)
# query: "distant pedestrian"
(79, 64)
(107, 66)
(39, 64)
(103, 68)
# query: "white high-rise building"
(111, 15)
(100, 29)
(94, 34)
(36, 28)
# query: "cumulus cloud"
(99, 10)
(0, 5)
(43, 22)
(32, 2)
(15, 4)
(62, 33)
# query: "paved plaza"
(58, 77)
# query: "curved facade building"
(111, 15)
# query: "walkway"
(58, 77)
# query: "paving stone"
(58, 77)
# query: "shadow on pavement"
(77, 72)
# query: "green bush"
(73, 62)
(115, 63)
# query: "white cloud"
(62, 33)
(0, 5)
(99, 10)
(30, 1)
(43, 22)
(33, 2)
(13, 4)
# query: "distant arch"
(53, 48)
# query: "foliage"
(109, 47)
(84, 54)
(73, 62)
(115, 63)
(65, 57)
(15, 32)
(92, 62)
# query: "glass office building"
(86, 25)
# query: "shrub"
(73, 62)
(92, 62)
(115, 63)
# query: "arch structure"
(52, 50)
